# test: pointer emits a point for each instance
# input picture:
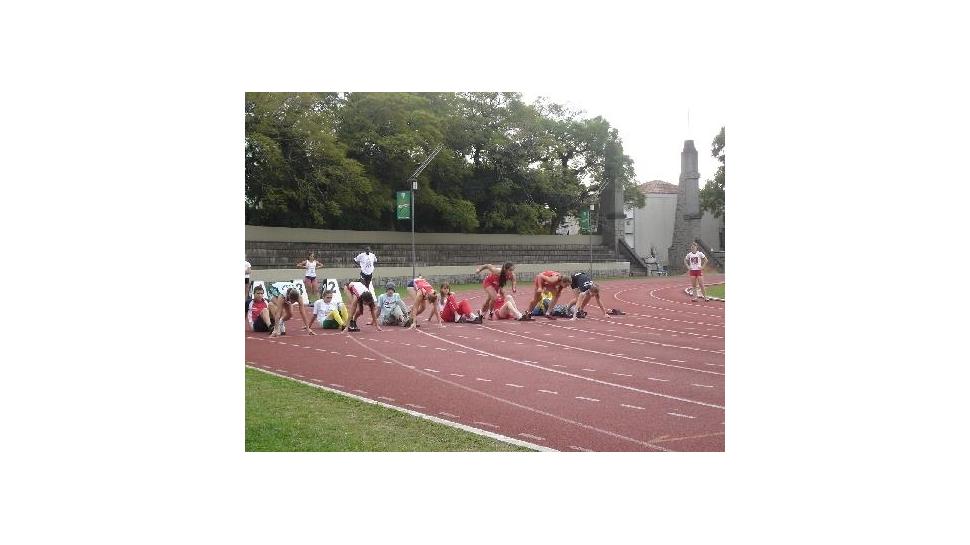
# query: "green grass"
(716, 290)
(284, 415)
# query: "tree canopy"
(335, 161)
(712, 195)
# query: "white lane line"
(442, 349)
(574, 447)
(415, 406)
(350, 355)
(530, 436)
(549, 392)
(681, 347)
(586, 398)
(555, 365)
(387, 398)
(337, 385)
(621, 374)
(455, 375)
(296, 375)
(632, 406)
(484, 379)
(461, 351)
(388, 361)
(366, 358)
(702, 385)
(432, 370)
(483, 355)
(319, 350)
(406, 344)
(422, 346)
(641, 359)
(680, 415)
(679, 361)
(282, 370)
(658, 379)
(515, 386)
(317, 380)
(486, 424)
(337, 353)
(449, 414)
(361, 391)
(603, 382)
(594, 370)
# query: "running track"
(652, 380)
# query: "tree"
(712, 195)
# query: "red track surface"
(652, 380)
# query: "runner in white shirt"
(366, 260)
(695, 262)
(310, 276)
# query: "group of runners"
(389, 309)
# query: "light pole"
(589, 225)
(414, 187)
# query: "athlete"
(495, 281)
(551, 281)
(453, 310)
(423, 294)
(310, 276)
(695, 262)
(359, 296)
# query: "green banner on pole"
(584, 222)
(403, 205)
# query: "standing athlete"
(696, 261)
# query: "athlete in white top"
(248, 269)
(310, 276)
(366, 260)
(695, 262)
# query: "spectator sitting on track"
(547, 280)
(359, 296)
(544, 305)
(496, 280)
(393, 309)
(453, 310)
(505, 308)
(260, 318)
(330, 315)
(423, 294)
(281, 309)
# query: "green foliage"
(334, 160)
(712, 195)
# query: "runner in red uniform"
(423, 293)
(495, 282)
(547, 280)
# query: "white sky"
(653, 126)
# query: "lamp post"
(589, 225)
(414, 187)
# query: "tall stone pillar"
(687, 220)
(612, 219)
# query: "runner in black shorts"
(585, 289)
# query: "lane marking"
(665, 345)
(574, 447)
(632, 406)
(415, 406)
(350, 355)
(549, 392)
(484, 379)
(387, 398)
(679, 361)
(296, 375)
(598, 381)
(622, 374)
(680, 415)
(594, 370)
(449, 414)
(432, 370)
(515, 386)
(455, 375)
(366, 358)
(608, 354)
(361, 391)
(338, 385)
(658, 379)
(461, 351)
(702, 385)
(486, 424)
(442, 349)
(586, 398)
(530, 436)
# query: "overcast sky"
(652, 125)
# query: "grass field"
(716, 290)
(284, 415)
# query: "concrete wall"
(287, 234)
(711, 231)
(653, 225)
(460, 274)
